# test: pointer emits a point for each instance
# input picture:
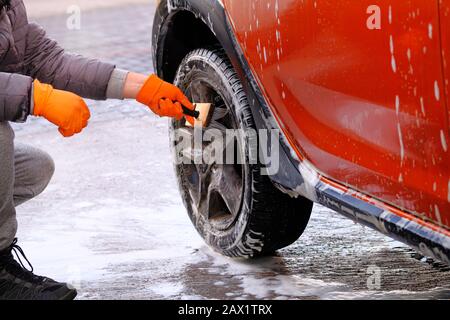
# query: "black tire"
(267, 219)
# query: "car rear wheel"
(235, 208)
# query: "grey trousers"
(24, 173)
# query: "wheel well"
(185, 33)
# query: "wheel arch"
(181, 26)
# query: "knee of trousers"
(6, 134)
(6, 159)
(42, 173)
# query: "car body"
(362, 109)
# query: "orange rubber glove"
(64, 109)
(164, 99)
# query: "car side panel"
(365, 107)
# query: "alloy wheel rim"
(215, 190)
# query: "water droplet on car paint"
(448, 196)
(393, 64)
(437, 94)
(391, 44)
(444, 141)
(390, 14)
(276, 9)
(402, 146)
(397, 104)
(437, 213)
(422, 106)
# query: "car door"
(359, 91)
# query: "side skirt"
(427, 238)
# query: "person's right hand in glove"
(163, 98)
(66, 110)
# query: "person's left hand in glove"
(64, 109)
(163, 98)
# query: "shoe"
(19, 283)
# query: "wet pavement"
(112, 222)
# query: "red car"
(359, 93)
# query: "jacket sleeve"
(48, 62)
(15, 97)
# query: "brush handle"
(191, 113)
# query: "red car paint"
(366, 107)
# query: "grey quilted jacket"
(26, 53)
